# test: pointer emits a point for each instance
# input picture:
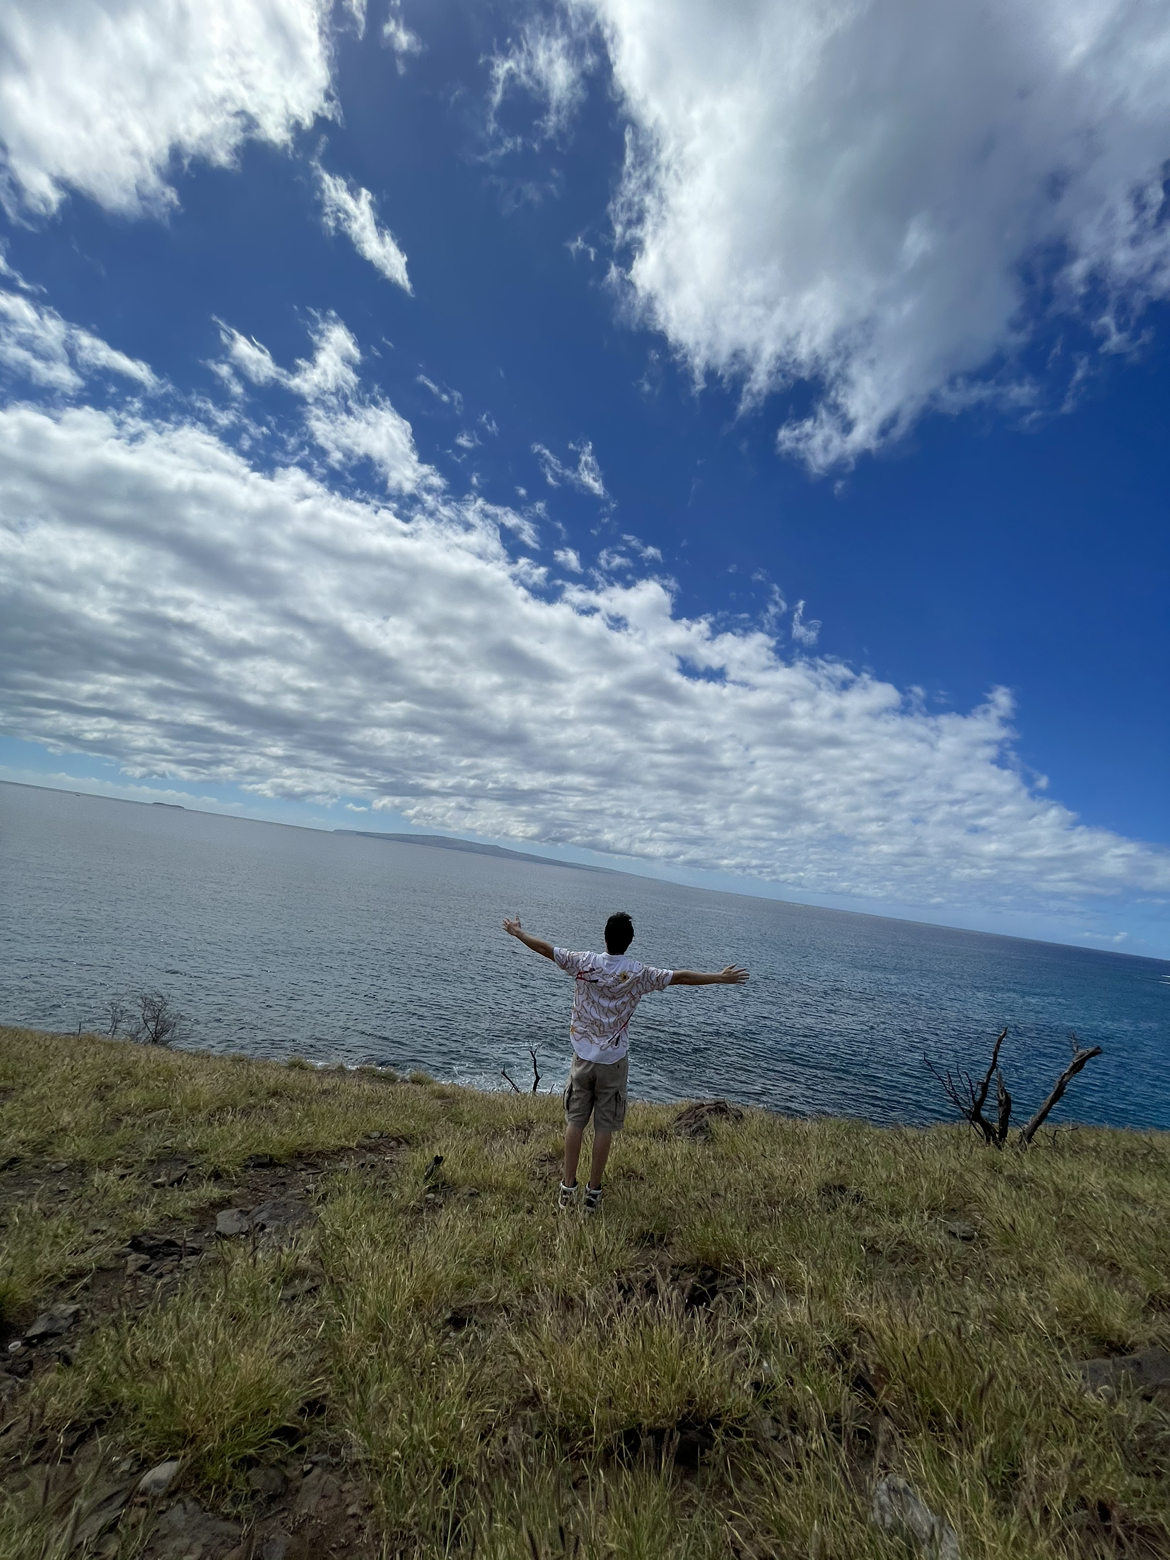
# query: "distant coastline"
(447, 842)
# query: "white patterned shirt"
(609, 988)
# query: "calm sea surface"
(281, 941)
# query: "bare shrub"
(144, 1016)
(969, 1097)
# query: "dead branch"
(1081, 1055)
(969, 1099)
(535, 1074)
(504, 1071)
(1003, 1103)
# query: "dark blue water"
(283, 941)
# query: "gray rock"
(275, 1546)
(158, 1480)
(268, 1481)
(232, 1221)
(1147, 1372)
(279, 1222)
(959, 1229)
(52, 1323)
(320, 1489)
(899, 1511)
(186, 1531)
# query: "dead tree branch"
(969, 1098)
(504, 1072)
(1081, 1055)
(535, 1074)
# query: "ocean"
(280, 941)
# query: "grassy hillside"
(757, 1329)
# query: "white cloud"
(585, 475)
(345, 423)
(852, 192)
(568, 558)
(549, 62)
(36, 344)
(804, 633)
(441, 393)
(102, 96)
(351, 209)
(165, 604)
(397, 35)
(647, 553)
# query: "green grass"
(505, 1382)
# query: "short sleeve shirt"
(609, 988)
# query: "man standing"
(609, 988)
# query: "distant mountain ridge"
(446, 842)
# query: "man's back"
(609, 988)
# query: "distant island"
(445, 842)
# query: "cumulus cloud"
(102, 96)
(585, 476)
(168, 605)
(37, 345)
(349, 208)
(881, 197)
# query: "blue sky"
(728, 444)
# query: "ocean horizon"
(358, 947)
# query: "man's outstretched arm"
(537, 944)
(733, 975)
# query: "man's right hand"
(733, 975)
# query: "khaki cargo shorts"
(597, 1089)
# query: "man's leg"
(573, 1139)
(602, 1143)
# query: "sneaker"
(568, 1195)
(592, 1199)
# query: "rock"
(959, 1229)
(319, 1489)
(136, 1262)
(268, 1481)
(1147, 1372)
(695, 1120)
(232, 1221)
(898, 1510)
(299, 1289)
(156, 1247)
(187, 1531)
(52, 1323)
(275, 1546)
(155, 1483)
(279, 1222)
(259, 1162)
(100, 1509)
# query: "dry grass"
(718, 1365)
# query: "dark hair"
(619, 932)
